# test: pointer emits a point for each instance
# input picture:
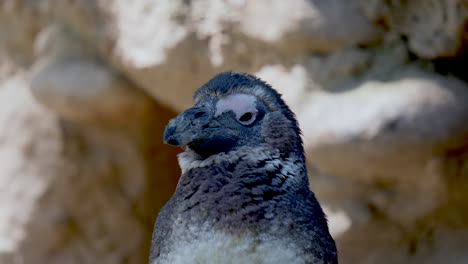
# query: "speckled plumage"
(245, 201)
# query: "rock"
(77, 193)
(389, 136)
(153, 43)
(291, 83)
(433, 28)
(19, 24)
(311, 24)
(205, 26)
(372, 122)
(30, 146)
(332, 72)
(67, 79)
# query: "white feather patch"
(238, 103)
(222, 248)
(189, 159)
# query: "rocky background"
(86, 88)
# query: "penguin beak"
(189, 127)
(197, 129)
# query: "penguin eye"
(242, 105)
(247, 118)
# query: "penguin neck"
(240, 189)
(245, 163)
(189, 159)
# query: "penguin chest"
(222, 248)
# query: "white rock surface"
(154, 40)
(313, 24)
(291, 83)
(74, 193)
(373, 121)
(66, 78)
(28, 132)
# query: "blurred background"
(87, 87)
